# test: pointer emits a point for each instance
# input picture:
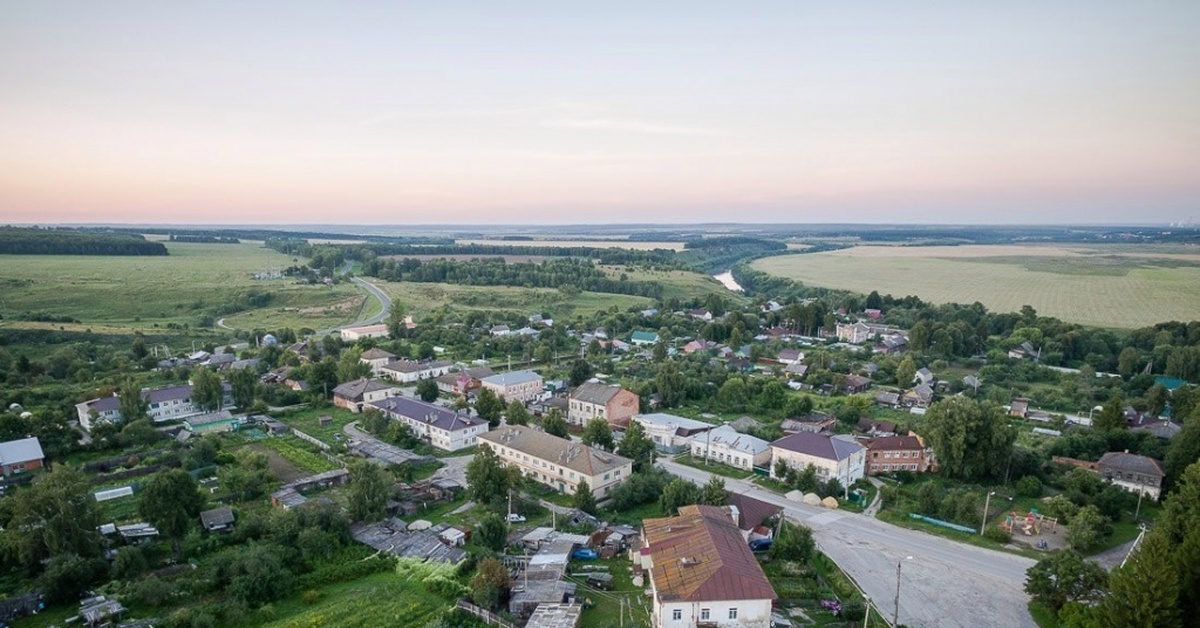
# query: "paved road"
(944, 584)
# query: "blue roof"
(1170, 383)
(514, 377)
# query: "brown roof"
(560, 451)
(700, 555)
(751, 512)
(356, 389)
(894, 443)
(375, 353)
(1130, 463)
(595, 392)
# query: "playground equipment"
(1030, 524)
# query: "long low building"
(162, 404)
(523, 386)
(671, 434)
(557, 462)
(409, 371)
(442, 427)
(728, 446)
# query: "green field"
(1115, 288)
(308, 420)
(109, 293)
(421, 299)
(680, 284)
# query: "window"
(733, 613)
(704, 614)
(677, 614)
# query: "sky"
(555, 112)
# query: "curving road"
(944, 583)
(385, 303)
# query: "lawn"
(713, 467)
(421, 299)
(121, 293)
(308, 421)
(608, 605)
(296, 452)
(1094, 285)
(382, 599)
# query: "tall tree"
(583, 499)
(206, 389)
(491, 532)
(1144, 593)
(1112, 417)
(906, 372)
(427, 390)
(972, 439)
(678, 492)
(243, 382)
(713, 492)
(171, 500)
(516, 414)
(874, 301)
(131, 403)
(489, 479)
(489, 407)
(1180, 526)
(1065, 577)
(554, 424)
(597, 433)
(669, 383)
(370, 490)
(57, 516)
(636, 446)
(490, 582)
(581, 371)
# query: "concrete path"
(943, 584)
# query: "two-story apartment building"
(523, 386)
(171, 403)
(376, 358)
(557, 462)
(702, 572)
(442, 427)
(593, 400)
(836, 457)
(886, 454)
(409, 371)
(1132, 472)
(352, 395)
(671, 434)
(728, 446)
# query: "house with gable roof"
(837, 457)
(441, 427)
(702, 572)
(592, 400)
(557, 462)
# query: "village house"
(790, 356)
(376, 358)
(642, 338)
(919, 397)
(409, 371)
(702, 315)
(671, 434)
(699, 344)
(873, 427)
(834, 457)
(702, 572)
(557, 462)
(162, 404)
(887, 399)
(441, 427)
(854, 384)
(1022, 351)
(727, 446)
(815, 423)
(354, 334)
(899, 453)
(1134, 473)
(463, 382)
(352, 395)
(217, 520)
(593, 400)
(523, 386)
(21, 455)
(1019, 407)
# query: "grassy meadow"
(1114, 287)
(614, 243)
(112, 293)
(681, 284)
(421, 299)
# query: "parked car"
(760, 545)
(585, 553)
(515, 518)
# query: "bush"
(997, 534)
(1029, 486)
(310, 596)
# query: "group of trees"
(577, 274)
(38, 241)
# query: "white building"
(524, 386)
(836, 457)
(354, 334)
(671, 433)
(557, 462)
(443, 428)
(376, 359)
(728, 446)
(409, 371)
(702, 573)
(171, 403)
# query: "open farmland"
(193, 282)
(421, 299)
(1116, 287)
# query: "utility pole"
(896, 613)
(986, 502)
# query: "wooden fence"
(487, 616)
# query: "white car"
(515, 518)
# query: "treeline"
(22, 241)
(569, 274)
(276, 234)
(204, 239)
(602, 255)
(713, 255)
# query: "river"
(726, 279)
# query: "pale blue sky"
(555, 112)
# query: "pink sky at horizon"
(538, 113)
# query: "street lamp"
(986, 502)
(896, 613)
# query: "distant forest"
(22, 241)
